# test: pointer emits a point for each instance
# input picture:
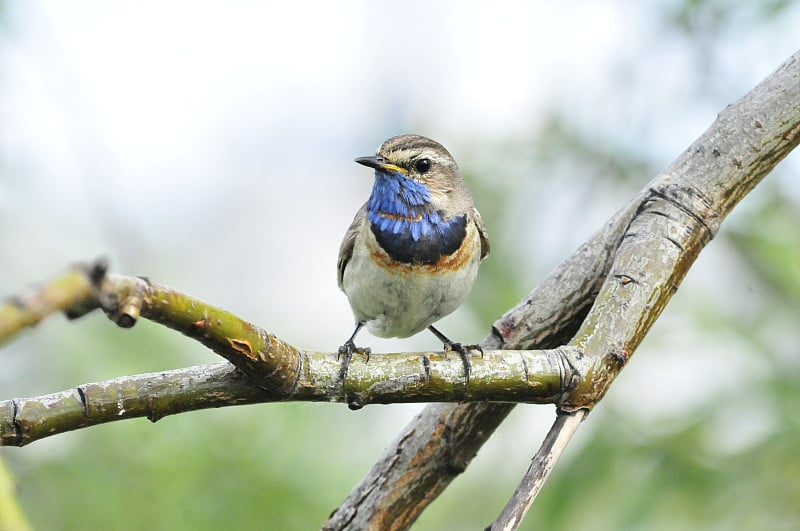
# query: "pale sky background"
(210, 147)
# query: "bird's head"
(418, 172)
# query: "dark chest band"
(444, 240)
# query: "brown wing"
(346, 248)
(485, 248)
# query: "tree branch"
(692, 196)
(73, 291)
(564, 427)
(528, 376)
(155, 395)
(680, 212)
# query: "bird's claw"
(345, 353)
(463, 351)
(350, 348)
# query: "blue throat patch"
(405, 224)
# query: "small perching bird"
(412, 253)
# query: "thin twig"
(564, 427)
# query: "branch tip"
(129, 312)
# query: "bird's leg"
(346, 351)
(463, 350)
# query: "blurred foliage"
(11, 517)
(286, 466)
(768, 240)
(635, 479)
(585, 156)
(497, 287)
(710, 17)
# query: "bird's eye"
(423, 165)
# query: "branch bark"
(528, 376)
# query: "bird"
(411, 254)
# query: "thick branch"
(528, 376)
(156, 395)
(680, 212)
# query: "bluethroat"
(411, 255)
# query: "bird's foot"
(463, 351)
(346, 352)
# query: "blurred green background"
(210, 147)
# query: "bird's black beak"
(372, 162)
(380, 163)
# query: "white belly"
(399, 302)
